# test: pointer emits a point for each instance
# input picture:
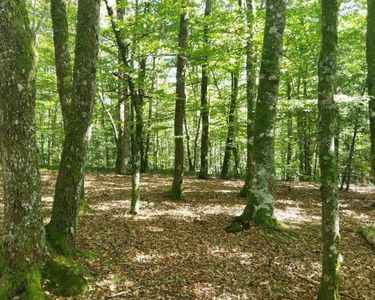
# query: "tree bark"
(23, 246)
(203, 173)
(176, 191)
(261, 202)
(62, 229)
(230, 141)
(124, 107)
(327, 129)
(348, 168)
(371, 77)
(250, 95)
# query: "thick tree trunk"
(203, 173)
(176, 191)
(229, 145)
(371, 77)
(250, 95)
(261, 202)
(327, 129)
(62, 229)
(23, 231)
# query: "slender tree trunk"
(176, 191)
(371, 77)
(261, 202)
(63, 63)
(23, 245)
(290, 135)
(188, 151)
(62, 229)
(327, 129)
(136, 115)
(229, 145)
(348, 168)
(203, 173)
(250, 95)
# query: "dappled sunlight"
(293, 214)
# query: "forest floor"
(179, 250)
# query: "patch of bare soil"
(179, 250)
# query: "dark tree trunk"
(176, 191)
(250, 95)
(327, 129)
(123, 115)
(261, 202)
(23, 245)
(62, 229)
(371, 77)
(230, 142)
(203, 173)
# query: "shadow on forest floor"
(178, 250)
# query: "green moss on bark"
(63, 277)
(369, 235)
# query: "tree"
(62, 229)
(230, 146)
(371, 77)
(250, 94)
(23, 239)
(261, 203)
(176, 191)
(203, 173)
(327, 128)
(136, 115)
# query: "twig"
(138, 288)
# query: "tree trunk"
(250, 95)
(348, 168)
(371, 77)
(23, 231)
(176, 191)
(327, 129)
(62, 229)
(190, 160)
(229, 145)
(203, 173)
(123, 115)
(63, 64)
(261, 202)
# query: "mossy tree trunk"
(231, 135)
(327, 128)
(261, 202)
(23, 245)
(203, 172)
(250, 94)
(136, 114)
(176, 191)
(62, 229)
(371, 77)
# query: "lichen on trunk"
(23, 246)
(261, 202)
